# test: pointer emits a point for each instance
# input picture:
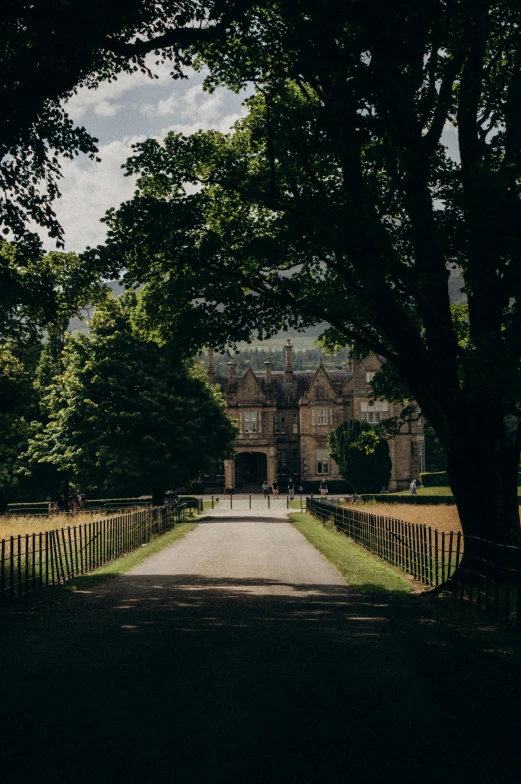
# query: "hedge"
(439, 479)
(427, 500)
(434, 479)
(432, 500)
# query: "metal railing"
(32, 561)
(484, 573)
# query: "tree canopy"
(365, 472)
(128, 415)
(49, 48)
(337, 199)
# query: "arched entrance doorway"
(251, 469)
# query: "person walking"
(265, 488)
(275, 487)
(291, 489)
(412, 487)
(323, 488)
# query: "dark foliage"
(365, 472)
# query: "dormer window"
(251, 422)
(322, 416)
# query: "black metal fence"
(31, 561)
(484, 573)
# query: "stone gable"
(285, 423)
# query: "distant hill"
(80, 324)
(301, 341)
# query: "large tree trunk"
(483, 462)
(158, 496)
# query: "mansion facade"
(285, 418)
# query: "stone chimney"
(231, 373)
(267, 368)
(210, 368)
(288, 370)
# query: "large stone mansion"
(285, 418)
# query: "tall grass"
(12, 525)
(443, 517)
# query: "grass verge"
(442, 490)
(130, 560)
(359, 568)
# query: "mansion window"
(250, 421)
(280, 424)
(374, 412)
(322, 416)
(417, 456)
(282, 462)
(219, 471)
(322, 461)
(370, 374)
(295, 423)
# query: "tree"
(18, 409)
(128, 415)
(337, 200)
(49, 48)
(41, 292)
(365, 472)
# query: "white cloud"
(193, 104)
(195, 110)
(107, 109)
(89, 190)
(86, 100)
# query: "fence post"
(19, 564)
(26, 563)
(2, 572)
(250, 493)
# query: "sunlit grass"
(443, 517)
(443, 490)
(358, 567)
(12, 525)
(131, 560)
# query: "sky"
(119, 114)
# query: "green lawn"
(444, 490)
(359, 568)
(126, 562)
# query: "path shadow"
(245, 518)
(188, 678)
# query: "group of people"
(273, 489)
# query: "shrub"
(365, 471)
(434, 479)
